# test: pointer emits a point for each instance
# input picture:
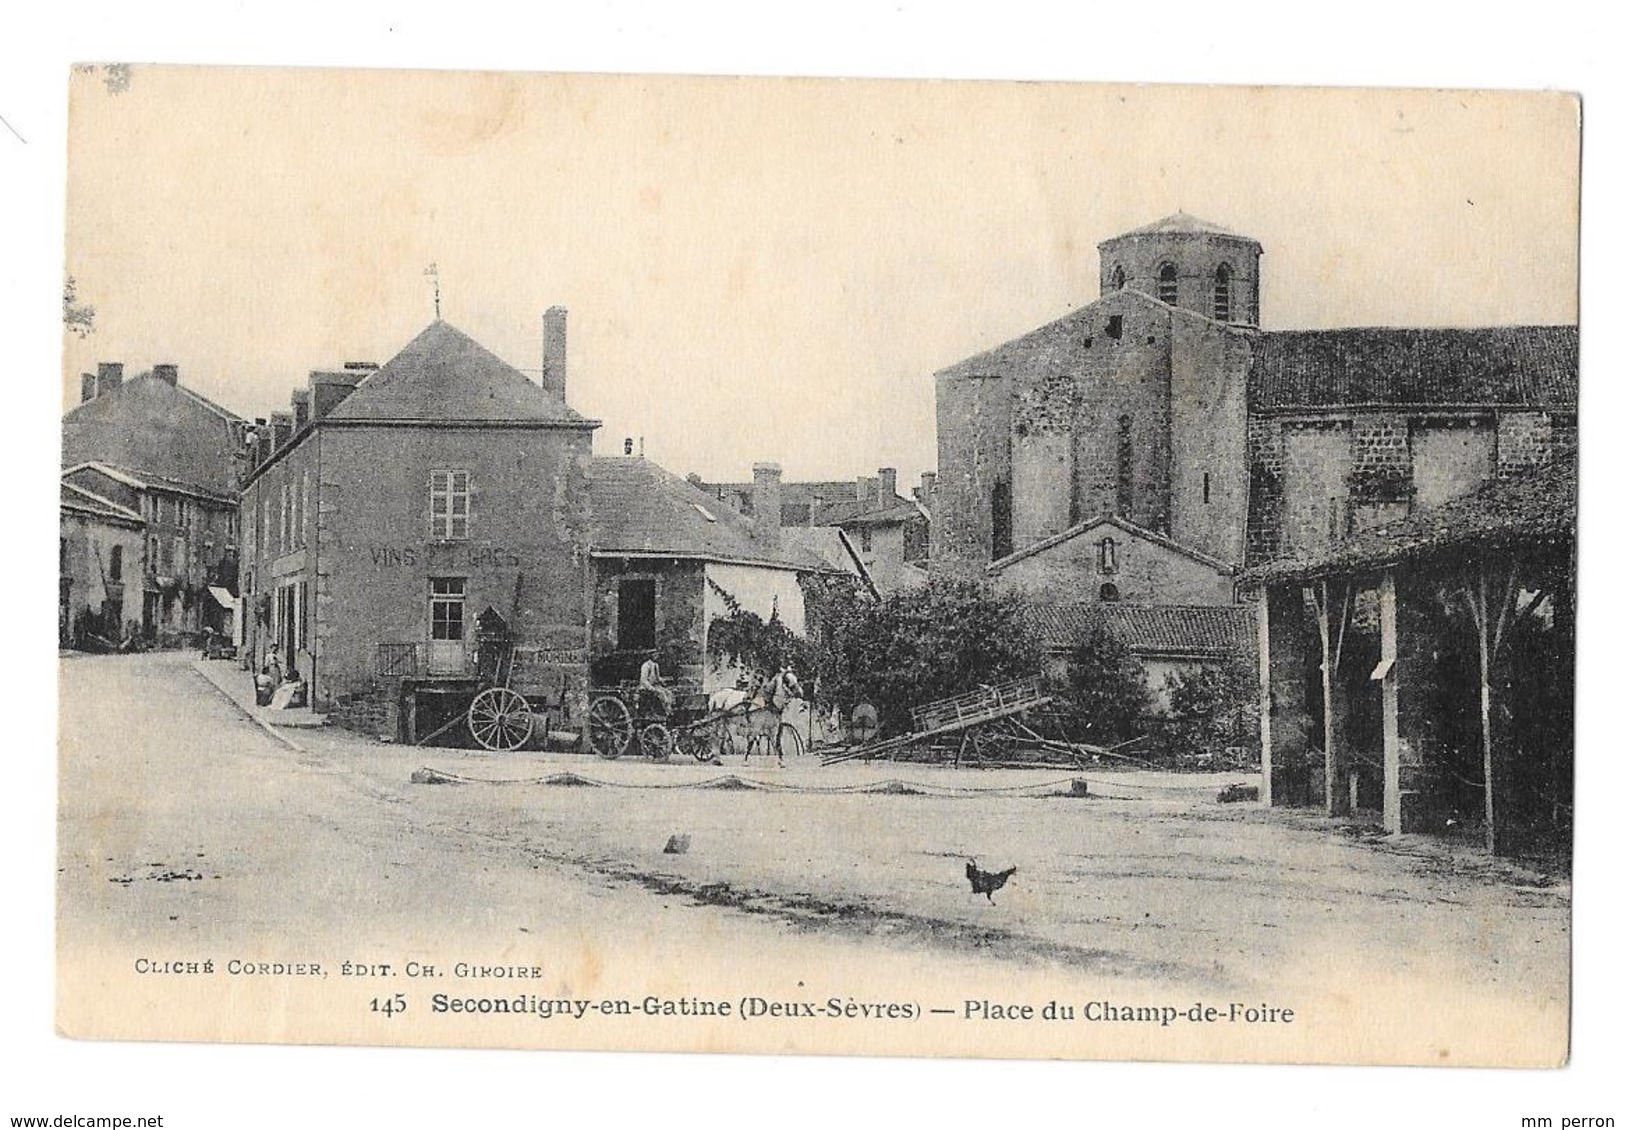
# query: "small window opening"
(1207, 488)
(1109, 593)
(1108, 555)
(1168, 284)
(1119, 280)
(1114, 326)
(1221, 293)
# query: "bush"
(1213, 715)
(1104, 698)
(943, 639)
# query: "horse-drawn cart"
(627, 718)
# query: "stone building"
(1151, 443)
(891, 532)
(668, 559)
(152, 446)
(391, 509)
(98, 558)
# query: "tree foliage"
(917, 645)
(1104, 698)
(79, 317)
(1213, 715)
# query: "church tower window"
(1119, 280)
(1221, 293)
(1168, 284)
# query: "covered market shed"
(1425, 670)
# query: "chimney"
(109, 376)
(327, 389)
(281, 430)
(928, 486)
(301, 408)
(87, 387)
(261, 441)
(553, 350)
(888, 485)
(765, 500)
(168, 373)
(868, 490)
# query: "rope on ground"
(893, 786)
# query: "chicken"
(986, 882)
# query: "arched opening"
(1168, 284)
(1221, 293)
(1109, 593)
(1119, 280)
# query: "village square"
(1208, 659)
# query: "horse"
(739, 717)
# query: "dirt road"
(186, 828)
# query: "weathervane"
(433, 272)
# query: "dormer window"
(1221, 293)
(1168, 284)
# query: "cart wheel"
(695, 742)
(655, 742)
(500, 719)
(609, 724)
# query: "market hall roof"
(444, 376)
(1167, 631)
(1539, 506)
(1534, 366)
(641, 509)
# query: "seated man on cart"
(655, 698)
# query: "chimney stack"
(888, 485)
(87, 387)
(553, 351)
(301, 408)
(868, 490)
(168, 373)
(928, 486)
(766, 500)
(261, 441)
(328, 388)
(281, 430)
(109, 376)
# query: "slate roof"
(1510, 365)
(1171, 632)
(443, 375)
(1180, 223)
(639, 507)
(82, 501)
(151, 480)
(830, 545)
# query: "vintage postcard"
(812, 566)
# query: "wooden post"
(1266, 753)
(1388, 605)
(1337, 798)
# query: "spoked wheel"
(500, 719)
(655, 741)
(609, 724)
(695, 742)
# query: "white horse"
(740, 718)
